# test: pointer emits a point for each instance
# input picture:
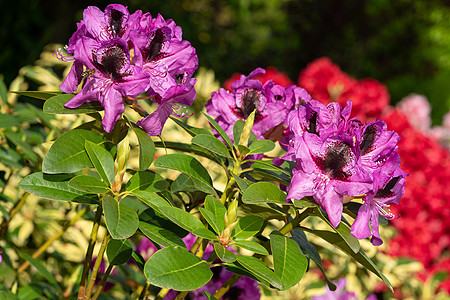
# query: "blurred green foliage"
(404, 44)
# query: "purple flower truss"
(338, 157)
(269, 101)
(121, 56)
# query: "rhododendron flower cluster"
(119, 56)
(271, 103)
(339, 157)
(424, 222)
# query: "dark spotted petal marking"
(368, 139)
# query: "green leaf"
(336, 240)
(262, 210)
(10, 157)
(8, 121)
(147, 149)
(190, 148)
(262, 272)
(224, 254)
(211, 143)
(211, 218)
(310, 251)
(263, 192)
(288, 260)
(151, 199)
(183, 183)
(205, 233)
(8, 295)
(218, 209)
(88, 184)
(118, 251)
(182, 218)
(147, 181)
(193, 131)
(242, 183)
(35, 94)
(208, 296)
(252, 246)
(160, 235)
(55, 187)
(102, 160)
(220, 131)
(261, 146)
(38, 265)
(176, 268)
(139, 260)
(3, 93)
(189, 166)
(343, 230)
(247, 227)
(68, 153)
(304, 204)
(121, 221)
(55, 105)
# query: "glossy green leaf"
(3, 92)
(205, 233)
(193, 131)
(55, 105)
(263, 192)
(189, 166)
(252, 246)
(212, 144)
(181, 218)
(211, 218)
(160, 235)
(259, 270)
(88, 184)
(213, 205)
(68, 153)
(151, 199)
(288, 260)
(261, 146)
(147, 181)
(10, 157)
(55, 187)
(247, 227)
(209, 296)
(220, 131)
(176, 268)
(343, 230)
(183, 183)
(224, 254)
(121, 221)
(310, 251)
(102, 160)
(262, 210)
(336, 240)
(242, 183)
(303, 204)
(147, 149)
(35, 94)
(118, 251)
(139, 260)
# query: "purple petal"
(153, 124)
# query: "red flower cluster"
(424, 222)
(326, 82)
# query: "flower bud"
(247, 129)
(120, 164)
(231, 215)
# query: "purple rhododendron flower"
(121, 56)
(247, 95)
(113, 78)
(327, 170)
(387, 189)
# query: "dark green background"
(403, 44)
